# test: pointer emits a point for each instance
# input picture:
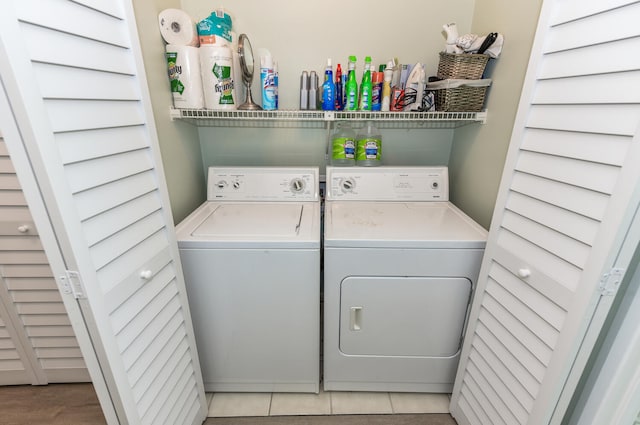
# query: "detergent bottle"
(366, 87)
(343, 144)
(368, 146)
(351, 88)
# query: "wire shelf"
(320, 119)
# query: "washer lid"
(400, 225)
(252, 220)
(251, 224)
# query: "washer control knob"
(297, 185)
(221, 184)
(347, 185)
(236, 184)
(434, 185)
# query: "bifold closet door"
(559, 243)
(78, 124)
(42, 343)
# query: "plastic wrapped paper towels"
(184, 75)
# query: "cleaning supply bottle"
(368, 146)
(267, 80)
(386, 88)
(376, 91)
(328, 89)
(366, 87)
(339, 89)
(351, 88)
(343, 142)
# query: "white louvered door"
(567, 198)
(32, 311)
(85, 143)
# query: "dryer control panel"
(263, 184)
(388, 183)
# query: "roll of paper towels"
(184, 75)
(178, 28)
(218, 85)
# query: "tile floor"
(324, 403)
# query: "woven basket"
(461, 66)
(461, 99)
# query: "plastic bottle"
(368, 146)
(328, 89)
(386, 88)
(304, 90)
(376, 91)
(351, 88)
(343, 144)
(339, 89)
(267, 80)
(366, 87)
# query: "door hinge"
(72, 284)
(610, 281)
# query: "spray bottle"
(351, 88)
(328, 89)
(365, 87)
(339, 89)
(386, 88)
(267, 80)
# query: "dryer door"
(403, 316)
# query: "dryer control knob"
(347, 185)
(297, 185)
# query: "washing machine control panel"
(263, 183)
(388, 183)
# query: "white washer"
(400, 265)
(251, 260)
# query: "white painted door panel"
(90, 153)
(567, 197)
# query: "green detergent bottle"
(369, 146)
(351, 88)
(343, 143)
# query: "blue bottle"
(328, 89)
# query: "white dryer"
(400, 266)
(251, 261)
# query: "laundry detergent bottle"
(369, 146)
(343, 143)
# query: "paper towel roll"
(178, 28)
(184, 74)
(218, 85)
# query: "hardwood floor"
(77, 404)
(54, 404)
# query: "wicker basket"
(459, 95)
(461, 66)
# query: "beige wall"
(302, 38)
(178, 140)
(479, 151)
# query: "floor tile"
(240, 404)
(419, 403)
(300, 404)
(346, 403)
